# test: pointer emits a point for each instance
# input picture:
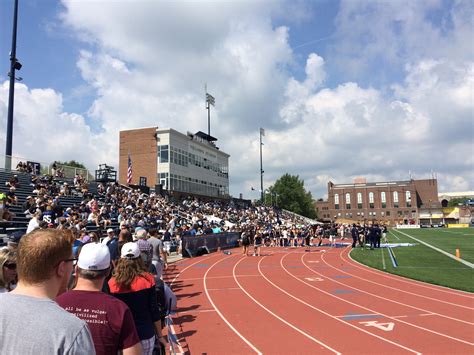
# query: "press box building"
(168, 159)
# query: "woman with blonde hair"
(134, 285)
(8, 270)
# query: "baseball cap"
(110, 230)
(130, 250)
(94, 257)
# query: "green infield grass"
(423, 263)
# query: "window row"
(371, 197)
(181, 157)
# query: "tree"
(458, 201)
(292, 196)
(71, 163)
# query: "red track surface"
(291, 301)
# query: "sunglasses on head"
(11, 266)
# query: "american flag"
(129, 171)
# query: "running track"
(291, 301)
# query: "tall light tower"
(14, 65)
(210, 100)
(262, 133)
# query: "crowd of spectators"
(100, 258)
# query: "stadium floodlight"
(14, 65)
(210, 100)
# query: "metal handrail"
(69, 171)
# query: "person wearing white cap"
(109, 319)
(110, 235)
(132, 283)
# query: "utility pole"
(262, 133)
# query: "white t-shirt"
(32, 225)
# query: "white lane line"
(219, 312)
(406, 280)
(414, 315)
(276, 316)
(180, 348)
(371, 310)
(325, 313)
(465, 262)
(400, 290)
(388, 299)
(383, 259)
(217, 277)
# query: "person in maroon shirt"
(109, 319)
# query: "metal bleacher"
(25, 189)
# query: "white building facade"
(191, 163)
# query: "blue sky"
(343, 88)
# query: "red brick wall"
(141, 144)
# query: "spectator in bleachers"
(34, 222)
(7, 270)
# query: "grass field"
(423, 263)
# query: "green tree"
(71, 163)
(458, 201)
(292, 196)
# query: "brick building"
(389, 202)
(182, 163)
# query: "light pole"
(210, 100)
(262, 133)
(14, 65)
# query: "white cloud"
(148, 64)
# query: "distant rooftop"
(376, 184)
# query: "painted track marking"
(397, 289)
(325, 313)
(384, 298)
(371, 310)
(276, 316)
(407, 280)
(219, 312)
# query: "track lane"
(259, 327)
(196, 322)
(462, 298)
(444, 308)
(311, 313)
(378, 301)
(404, 332)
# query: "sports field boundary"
(465, 262)
(407, 279)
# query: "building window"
(408, 198)
(336, 201)
(164, 154)
(359, 200)
(395, 199)
(371, 199)
(383, 198)
(348, 201)
(388, 213)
